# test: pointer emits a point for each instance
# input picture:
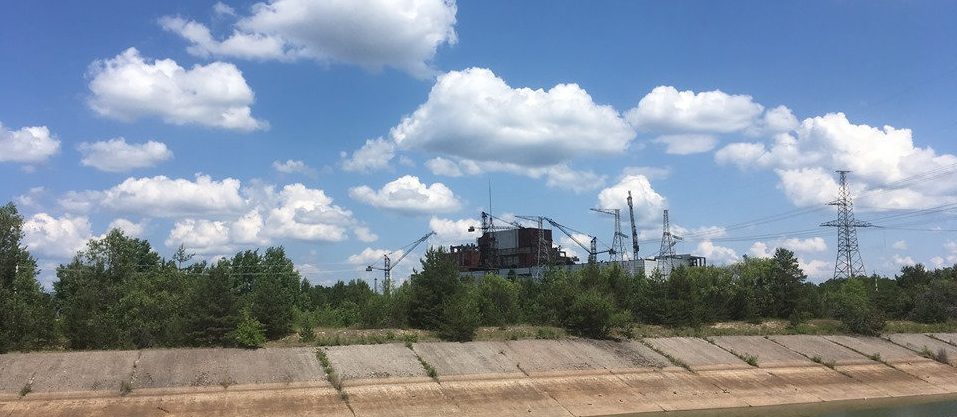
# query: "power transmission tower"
(666, 254)
(618, 243)
(849, 262)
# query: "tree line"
(119, 293)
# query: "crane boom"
(591, 248)
(388, 264)
(634, 229)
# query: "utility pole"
(849, 262)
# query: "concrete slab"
(635, 352)
(825, 383)
(16, 370)
(894, 382)
(819, 347)
(757, 387)
(678, 389)
(361, 362)
(265, 403)
(947, 337)
(595, 394)
(918, 342)
(102, 371)
(283, 366)
(549, 357)
(870, 346)
(934, 373)
(174, 368)
(697, 354)
(493, 398)
(768, 353)
(400, 399)
(476, 359)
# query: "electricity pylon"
(849, 262)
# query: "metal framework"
(849, 262)
(634, 229)
(618, 241)
(666, 255)
(388, 264)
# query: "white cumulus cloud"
(27, 145)
(374, 155)
(408, 195)
(473, 114)
(805, 161)
(115, 155)
(128, 87)
(687, 144)
(56, 237)
(667, 110)
(648, 203)
(716, 254)
(452, 231)
(402, 34)
(294, 167)
(161, 196)
(129, 227)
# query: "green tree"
(212, 312)
(853, 307)
(431, 288)
(249, 333)
(26, 311)
(498, 300)
(591, 314)
(784, 286)
(275, 292)
(460, 316)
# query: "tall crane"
(592, 249)
(618, 241)
(634, 229)
(388, 264)
(487, 243)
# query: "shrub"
(460, 318)
(590, 315)
(250, 333)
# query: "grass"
(674, 360)
(896, 326)
(331, 374)
(737, 328)
(876, 357)
(939, 356)
(27, 388)
(818, 359)
(519, 332)
(429, 369)
(226, 382)
(751, 360)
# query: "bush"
(250, 333)
(591, 315)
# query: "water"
(931, 406)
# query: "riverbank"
(486, 378)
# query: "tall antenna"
(849, 262)
(666, 254)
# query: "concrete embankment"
(527, 377)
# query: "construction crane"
(544, 247)
(487, 244)
(388, 264)
(618, 241)
(634, 229)
(592, 249)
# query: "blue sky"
(344, 130)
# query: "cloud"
(223, 9)
(901, 260)
(687, 144)
(806, 158)
(473, 114)
(667, 110)
(717, 255)
(115, 155)
(128, 227)
(402, 34)
(31, 199)
(571, 248)
(295, 212)
(294, 167)
(28, 145)
(374, 155)
(648, 203)
(364, 234)
(900, 245)
(454, 232)
(651, 173)
(809, 245)
(128, 87)
(816, 270)
(444, 167)
(56, 237)
(161, 196)
(408, 195)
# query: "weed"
(751, 360)
(28, 388)
(331, 374)
(125, 387)
(876, 357)
(940, 356)
(830, 364)
(817, 359)
(408, 344)
(546, 333)
(226, 382)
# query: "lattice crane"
(388, 264)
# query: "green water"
(931, 406)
